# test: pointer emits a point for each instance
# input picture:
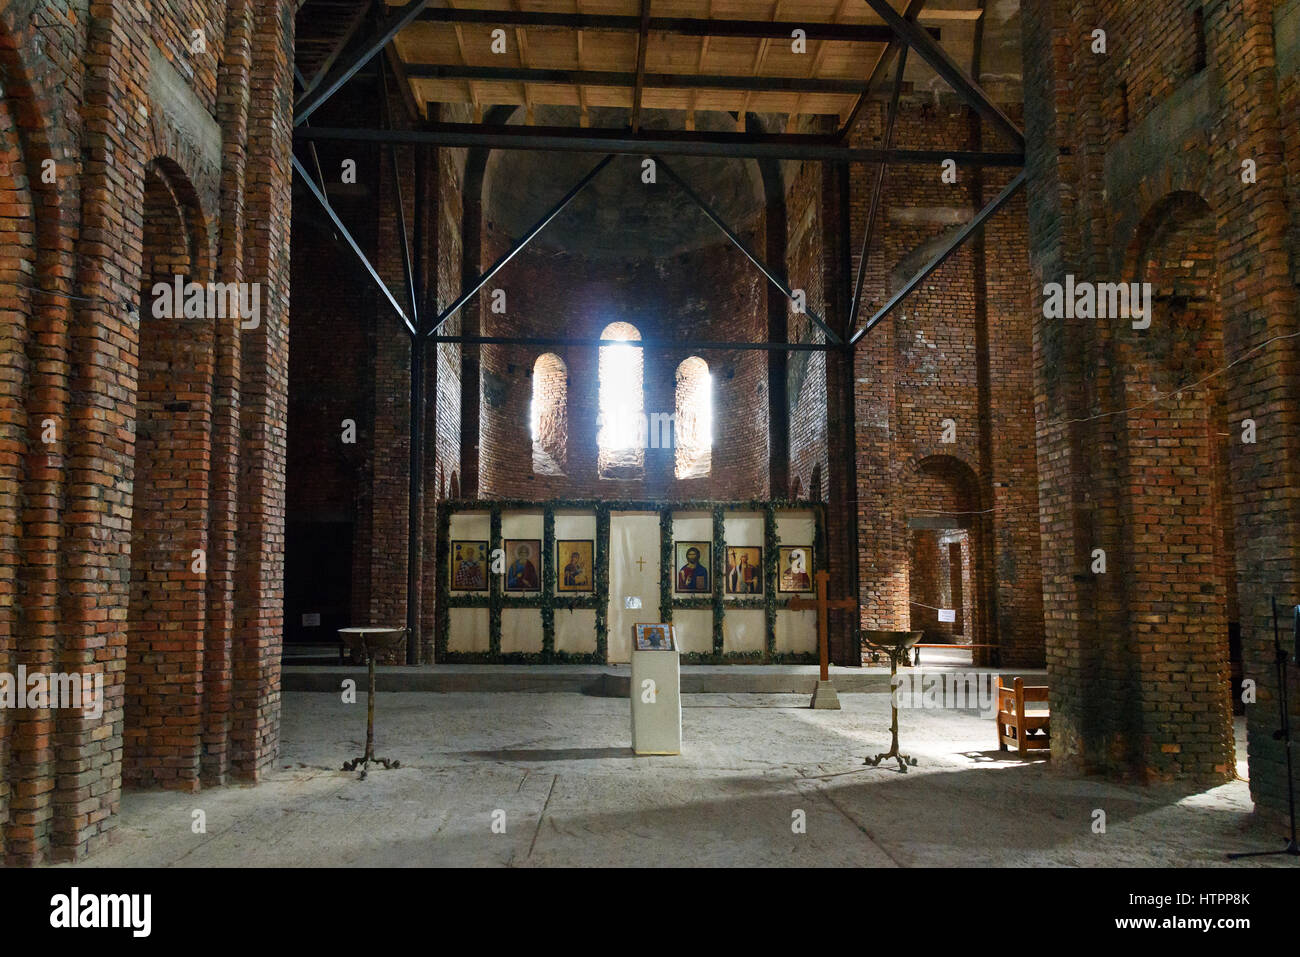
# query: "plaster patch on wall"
(1286, 36)
(192, 137)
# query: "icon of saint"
(692, 576)
(522, 573)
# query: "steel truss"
(906, 35)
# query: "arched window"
(621, 429)
(548, 414)
(694, 416)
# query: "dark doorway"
(317, 582)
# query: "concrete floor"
(559, 767)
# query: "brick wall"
(141, 466)
(711, 294)
(955, 356)
(1131, 448)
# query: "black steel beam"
(740, 244)
(939, 60)
(941, 257)
(413, 499)
(658, 81)
(356, 248)
(665, 143)
(641, 44)
(684, 26)
(367, 52)
(407, 267)
(348, 33)
(523, 241)
(877, 190)
(315, 158)
(670, 344)
(911, 13)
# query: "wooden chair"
(1017, 726)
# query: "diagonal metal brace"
(520, 243)
(343, 230)
(326, 88)
(951, 247)
(961, 82)
(896, 47)
(877, 190)
(740, 244)
(407, 266)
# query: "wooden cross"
(640, 564)
(822, 604)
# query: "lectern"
(371, 640)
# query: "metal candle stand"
(371, 642)
(895, 644)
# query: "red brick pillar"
(97, 510)
(264, 380)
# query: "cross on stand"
(824, 697)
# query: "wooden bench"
(916, 655)
(1018, 727)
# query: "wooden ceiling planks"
(599, 60)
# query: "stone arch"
(469, 320)
(167, 610)
(549, 416)
(1179, 495)
(693, 412)
(621, 450)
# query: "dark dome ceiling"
(617, 216)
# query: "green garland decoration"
(548, 584)
(495, 589)
(602, 584)
(547, 602)
(771, 568)
(442, 589)
(719, 562)
(666, 562)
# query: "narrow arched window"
(694, 417)
(621, 429)
(548, 415)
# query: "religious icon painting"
(469, 566)
(744, 570)
(653, 637)
(574, 559)
(523, 565)
(691, 568)
(794, 569)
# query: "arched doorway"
(167, 611)
(947, 575)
